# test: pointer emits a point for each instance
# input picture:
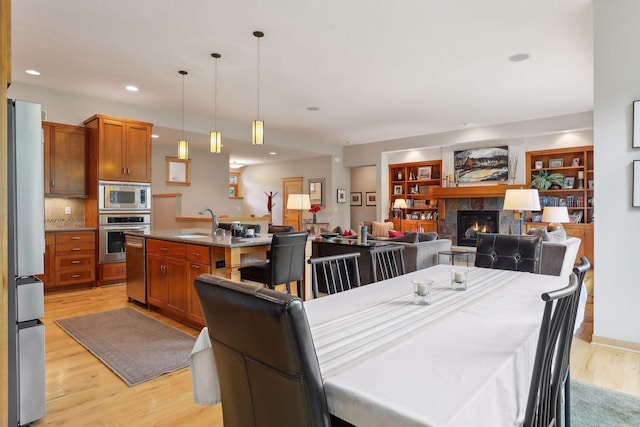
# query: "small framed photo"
(370, 198)
(636, 183)
(636, 125)
(590, 183)
(341, 195)
(536, 216)
(575, 161)
(569, 182)
(356, 199)
(424, 172)
(397, 189)
(556, 163)
(539, 164)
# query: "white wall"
(617, 229)
(363, 180)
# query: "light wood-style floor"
(82, 391)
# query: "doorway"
(290, 186)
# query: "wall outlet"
(67, 210)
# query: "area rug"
(136, 347)
(601, 407)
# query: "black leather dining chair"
(285, 263)
(509, 252)
(334, 273)
(266, 362)
(544, 404)
(387, 262)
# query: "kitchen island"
(174, 258)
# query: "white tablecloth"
(464, 360)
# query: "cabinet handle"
(75, 237)
(75, 249)
(75, 276)
(53, 182)
(196, 254)
(128, 171)
(124, 171)
(163, 249)
(195, 267)
(75, 262)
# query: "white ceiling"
(377, 70)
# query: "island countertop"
(201, 236)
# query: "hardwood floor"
(82, 391)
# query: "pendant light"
(183, 145)
(258, 125)
(215, 139)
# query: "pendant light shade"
(257, 134)
(183, 144)
(215, 138)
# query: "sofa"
(421, 253)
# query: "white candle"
(458, 276)
(422, 288)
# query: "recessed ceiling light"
(154, 136)
(131, 88)
(273, 153)
(519, 57)
(313, 108)
(32, 72)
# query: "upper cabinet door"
(65, 154)
(111, 148)
(138, 164)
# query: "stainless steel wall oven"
(112, 229)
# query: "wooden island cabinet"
(123, 148)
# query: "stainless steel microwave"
(124, 196)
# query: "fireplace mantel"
(463, 192)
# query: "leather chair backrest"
(509, 252)
(280, 229)
(287, 257)
(267, 366)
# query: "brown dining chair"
(265, 358)
(544, 404)
(334, 273)
(387, 262)
(285, 263)
(509, 252)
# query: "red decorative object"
(315, 208)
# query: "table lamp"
(400, 204)
(521, 200)
(554, 215)
(299, 202)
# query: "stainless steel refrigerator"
(25, 196)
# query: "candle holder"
(422, 291)
(458, 280)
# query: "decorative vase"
(314, 218)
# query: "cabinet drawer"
(198, 253)
(70, 277)
(113, 271)
(164, 248)
(66, 262)
(75, 237)
(76, 248)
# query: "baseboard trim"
(610, 342)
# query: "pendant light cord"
(259, 77)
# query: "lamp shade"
(399, 204)
(521, 200)
(183, 149)
(298, 201)
(555, 214)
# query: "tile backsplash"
(55, 217)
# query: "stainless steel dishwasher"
(136, 271)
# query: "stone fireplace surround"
(448, 229)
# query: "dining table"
(465, 359)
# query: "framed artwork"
(397, 189)
(575, 161)
(424, 172)
(316, 191)
(481, 164)
(370, 198)
(636, 125)
(356, 199)
(341, 196)
(178, 171)
(539, 164)
(536, 217)
(569, 182)
(556, 163)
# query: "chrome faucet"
(214, 220)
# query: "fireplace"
(470, 223)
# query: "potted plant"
(545, 179)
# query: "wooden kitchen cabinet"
(199, 263)
(70, 258)
(123, 148)
(411, 224)
(65, 160)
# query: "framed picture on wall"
(370, 198)
(636, 184)
(636, 125)
(356, 199)
(341, 195)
